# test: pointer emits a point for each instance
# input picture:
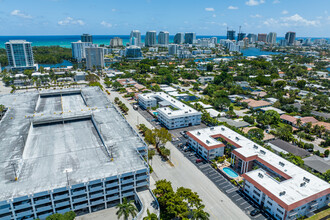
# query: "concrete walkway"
(148, 202)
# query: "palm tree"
(150, 216)
(200, 214)
(126, 209)
(298, 122)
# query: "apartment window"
(280, 211)
(247, 186)
(257, 193)
(269, 203)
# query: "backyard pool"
(230, 172)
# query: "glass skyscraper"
(87, 38)
(19, 53)
(150, 39)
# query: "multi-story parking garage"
(66, 150)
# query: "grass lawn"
(324, 213)
(237, 108)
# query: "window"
(280, 211)
(269, 203)
(257, 193)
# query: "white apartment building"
(171, 112)
(283, 189)
(78, 49)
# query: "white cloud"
(214, 15)
(297, 20)
(209, 9)
(232, 7)
(285, 12)
(255, 16)
(71, 21)
(254, 2)
(276, 2)
(20, 14)
(106, 24)
(291, 21)
(113, 9)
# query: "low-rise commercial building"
(283, 189)
(171, 112)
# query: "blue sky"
(205, 17)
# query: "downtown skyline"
(69, 17)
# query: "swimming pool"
(230, 172)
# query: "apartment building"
(171, 112)
(283, 189)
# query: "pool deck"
(227, 165)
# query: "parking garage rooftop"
(54, 138)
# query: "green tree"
(66, 216)
(268, 118)
(117, 85)
(151, 153)
(150, 216)
(158, 136)
(177, 205)
(200, 214)
(209, 67)
(256, 133)
(156, 88)
(248, 119)
(284, 132)
(126, 209)
(280, 84)
(326, 153)
(107, 82)
(301, 84)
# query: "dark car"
(199, 160)
(255, 212)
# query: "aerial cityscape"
(203, 110)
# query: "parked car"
(199, 160)
(191, 154)
(255, 212)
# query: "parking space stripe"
(222, 183)
(238, 199)
(243, 202)
(231, 190)
(234, 195)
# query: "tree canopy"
(179, 204)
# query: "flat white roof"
(205, 106)
(294, 187)
(181, 108)
(279, 111)
(213, 113)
